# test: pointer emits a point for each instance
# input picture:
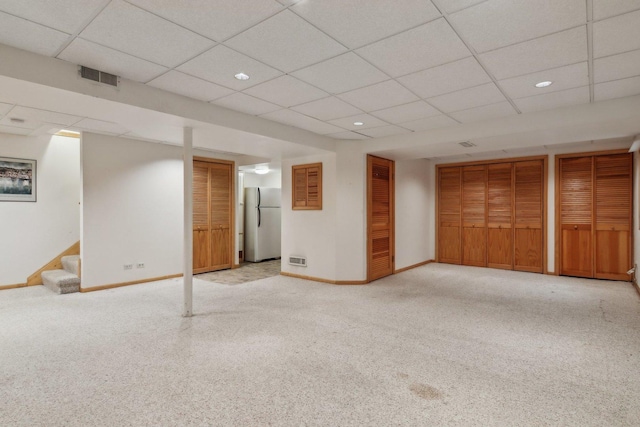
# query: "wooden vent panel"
(613, 195)
(200, 191)
(474, 181)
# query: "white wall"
(312, 233)
(414, 212)
(132, 209)
(34, 233)
(351, 214)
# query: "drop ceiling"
(399, 67)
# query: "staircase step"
(61, 281)
(71, 263)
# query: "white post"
(187, 310)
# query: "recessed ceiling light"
(544, 84)
(358, 123)
(242, 76)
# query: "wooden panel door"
(212, 216)
(449, 215)
(613, 182)
(474, 227)
(221, 215)
(528, 215)
(576, 206)
(380, 212)
(201, 220)
(499, 216)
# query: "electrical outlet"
(128, 266)
(140, 265)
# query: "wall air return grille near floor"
(98, 76)
(298, 260)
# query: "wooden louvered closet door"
(380, 213)
(576, 206)
(220, 199)
(474, 231)
(212, 216)
(528, 214)
(613, 181)
(499, 216)
(449, 215)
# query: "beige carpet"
(248, 272)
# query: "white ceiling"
(398, 66)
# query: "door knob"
(575, 227)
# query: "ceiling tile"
(358, 22)
(606, 8)
(446, 78)
(451, 6)
(26, 35)
(293, 118)
(552, 100)
(498, 23)
(193, 87)
(347, 135)
(83, 52)
(368, 120)
(408, 52)
(27, 124)
(429, 123)
(567, 77)
(286, 42)
(486, 112)
(129, 29)
(616, 35)
(247, 104)
(286, 91)
(617, 89)
(407, 112)
(381, 132)
(555, 50)
(617, 66)
(4, 108)
(44, 116)
(342, 73)
(327, 109)
(468, 98)
(62, 15)
(381, 95)
(100, 126)
(14, 130)
(216, 19)
(220, 64)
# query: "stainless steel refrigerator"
(261, 223)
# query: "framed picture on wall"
(17, 180)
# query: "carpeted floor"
(247, 272)
(438, 345)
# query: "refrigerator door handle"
(258, 196)
(259, 217)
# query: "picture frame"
(18, 180)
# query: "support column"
(187, 310)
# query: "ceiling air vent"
(467, 144)
(98, 76)
(298, 260)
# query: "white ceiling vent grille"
(467, 144)
(98, 76)
(298, 260)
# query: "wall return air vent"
(98, 76)
(298, 260)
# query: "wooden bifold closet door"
(380, 221)
(212, 216)
(492, 215)
(595, 194)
